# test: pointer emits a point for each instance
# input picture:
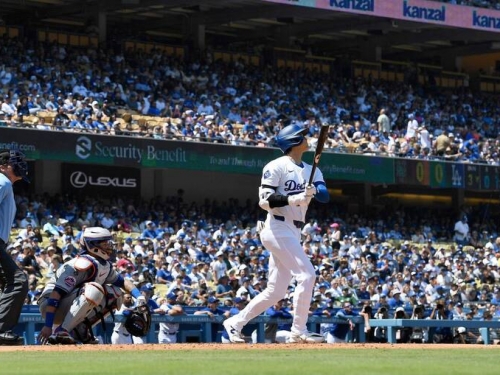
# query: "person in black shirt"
(61, 119)
(30, 264)
(22, 108)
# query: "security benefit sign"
(100, 180)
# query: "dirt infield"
(62, 348)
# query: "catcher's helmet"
(97, 241)
(17, 161)
(290, 136)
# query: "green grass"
(254, 362)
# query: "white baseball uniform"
(281, 235)
(167, 333)
(120, 335)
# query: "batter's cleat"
(306, 338)
(61, 337)
(10, 339)
(234, 335)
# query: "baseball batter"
(285, 195)
(82, 291)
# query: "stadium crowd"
(400, 257)
(211, 252)
(60, 88)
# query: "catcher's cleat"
(306, 338)
(61, 337)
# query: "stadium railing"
(199, 327)
(393, 325)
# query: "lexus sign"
(79, 180)
(101, 180)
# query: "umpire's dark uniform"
(15, 289)
(12, 279)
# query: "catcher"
(83, 292)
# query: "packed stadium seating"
(163, 95)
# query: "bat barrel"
(323, 134)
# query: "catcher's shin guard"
(112, 301)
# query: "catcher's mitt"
(138, 322)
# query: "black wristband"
(277, 200)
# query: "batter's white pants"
(287, 260)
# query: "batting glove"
(310, 190)
(299, 199)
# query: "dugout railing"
(199, 328)
(194, 328)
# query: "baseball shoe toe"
(306, 338)
(234, 335)
(10, 339)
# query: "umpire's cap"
(290, 136)
(17, 161)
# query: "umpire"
(13, 168)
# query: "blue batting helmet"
(17, 161)
(290, 136)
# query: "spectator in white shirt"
(425, 139)
(411, 130)
(7, 107)
(462, 233)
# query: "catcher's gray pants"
(15, 289)
(64, 306)
(111, 300)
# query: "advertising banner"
(411, 10)
(133, 153)
(136, 152)
(101, 180)
(349, 167)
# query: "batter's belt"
(297, 223)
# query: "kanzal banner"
(425, 11)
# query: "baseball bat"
(323, 134)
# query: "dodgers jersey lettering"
(289, 179)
